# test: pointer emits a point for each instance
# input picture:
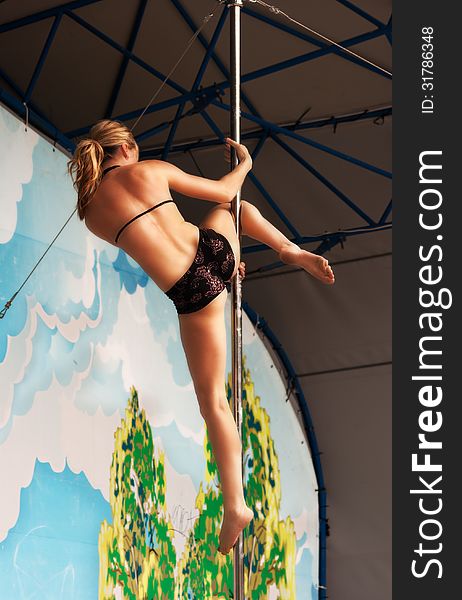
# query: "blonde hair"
(103, 140)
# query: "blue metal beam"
(224, 84)
(43, 56)
(205, 61)
(218, 62)
(267, 124)
(386, 213)
(361, 12)
(334, 121)
(277, 129)
(125, 59)
(332, 238)
(151, 132)
(257, 133)
(390, 31)
(325, 47)
(283, 130)
(136, 113)
(171, 133)
(261, 140)
(309, 167)
(288, 130)
(214, 127)
(125, 52)
(216, 59)
(290, 133)
(267, 196)
(251, 107)
(45, 14)
(280, 213)
(324, 180)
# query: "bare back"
(161, 241)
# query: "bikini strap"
(109, 169)
(138, 216)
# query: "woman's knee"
(212, 401)
(246, 209)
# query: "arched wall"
(109, 488)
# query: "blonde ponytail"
(84, 167)
(85, 170)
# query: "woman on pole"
(128, 204)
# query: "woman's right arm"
(221, 190)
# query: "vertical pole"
(236, 309)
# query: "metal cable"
(8, 304)
(205, 20)
(277, 10)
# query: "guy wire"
(277, 10)
(205, 20)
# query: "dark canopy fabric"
(319, 124)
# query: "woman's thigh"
(203, 335)
(220, 218)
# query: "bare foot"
(316, 265)
(233, 524)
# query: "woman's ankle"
(289, 252)
(235, 507)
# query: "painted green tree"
(137, 556)
(270, 543)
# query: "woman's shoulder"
(148, 169)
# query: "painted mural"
(109, 486)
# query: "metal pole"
(236, 309)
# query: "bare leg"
(254, 224)
(203, 335)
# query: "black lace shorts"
(211, 268)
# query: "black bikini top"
(136, 216)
